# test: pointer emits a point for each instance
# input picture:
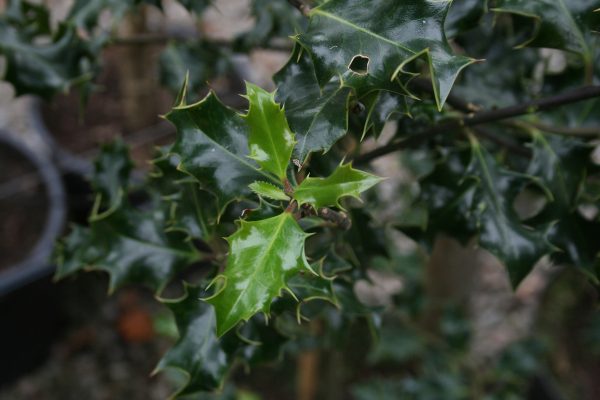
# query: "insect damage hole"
(359, 64)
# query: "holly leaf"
(45, 69)
(562, 165)
(112, 169)
(500, 230)
(318, 116)
(558, 24)
(464, 15)
(263, 255)
(198, 352)
(212, 143)
(271, 140)
(326, 192)
(190, 210)
(132, 246)
(370, 46)
(268, 190)
(201, 60)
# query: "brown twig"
(162, 39)
(340, 219)
(573, 96)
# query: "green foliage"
(278, 182)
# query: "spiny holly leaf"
(464, 15)
(369, 46)
(268, 190)
(131, 246)
(560, 24)
(111, 176)
(500, 230)
(198, 352)
(562, 164)
(190, 209)
(271, 140)
(44, 69)
(326, 192)
(308, 287)
(212, 143)
(202, 59)
(380, 107)
(318, 116)
(263, 255)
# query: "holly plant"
(487, 113)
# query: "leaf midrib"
(266, 251)
(360, 29)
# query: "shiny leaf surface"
(325, 192)
(263, 255)
(318, 116)
(370, 46)
(212, 143)
(270, 139)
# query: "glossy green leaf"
(269, 191)
(318, 116)
(560, 24)
(198, 352)
(263, 255)
(464, 15)
(270, 139)
(326, 192)
(370, 46)
(212, 143)
(500, 230)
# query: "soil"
(23, 207)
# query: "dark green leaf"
(198, 352)
(369, 47)
(560, 24)
(45, 69)
(212, 143)
(318, 116)
(500, 230)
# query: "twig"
(573, 96)
(511, 145)
(162, 39)
(339, 219)
(563, 130)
